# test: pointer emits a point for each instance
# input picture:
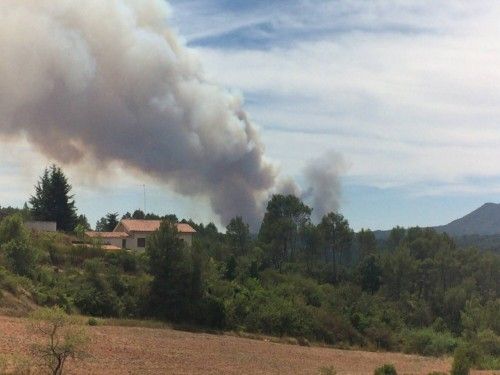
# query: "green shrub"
(92, 322)
(21, 256)
(428, 342)
(14, 283)
(12, 229)
(462, 360)
(489, 342)
(210, 312)
(387, 369)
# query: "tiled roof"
(152, 225)
(185, 228)
(106, 234)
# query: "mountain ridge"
(483, 221)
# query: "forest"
(320, 283)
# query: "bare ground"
(134, 350)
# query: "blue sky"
(406, 91)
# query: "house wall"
(134, 236)
(112, 241)
(42, 226)
(187, 237)
(132, 240)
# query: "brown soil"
(133, 350)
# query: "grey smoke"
(324, 186)
(108, 80)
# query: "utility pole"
(144, 188)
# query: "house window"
(141, 242)
(124, 243)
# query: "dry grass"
(140, 350)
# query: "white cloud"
(403, 108)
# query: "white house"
(132, 234)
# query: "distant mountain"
(484, 221)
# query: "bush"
(95, 295)
(386, 369)
(62, 338)
(21, 256)
(211, 312)
(14, 283)
(428, 342)
(462, 360)
(12, 229)
(92, 322)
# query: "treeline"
(417, 292)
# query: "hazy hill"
(484, 221)
(480, 228)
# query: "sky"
(406, 91)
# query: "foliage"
(107, 223)
(366, 242)
(338, 237)
(462, 360)
(83, 222)
(12, 229)
(21, 256)
(238, 236)
(426, 341)
(386, 369)
(52, 200)
(284, 218)
(417, 292)
(62, 338)
(176, 287)
(95, 294)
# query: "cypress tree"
(52, 200)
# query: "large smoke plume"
(107, 80)
(324, 187)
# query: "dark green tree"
(370, 274)
(173, 273)
(337, 236)
(83, 222)
(138, 215)
(52, 200)
(107, 223)
(396, 237)
(366, 243)
(284, 217)
(238, 236)
(312, 244)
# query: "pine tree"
(52, 200)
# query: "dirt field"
(131, 350)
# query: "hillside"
(484, 221)
(480, 228)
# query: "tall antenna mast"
(144, 187)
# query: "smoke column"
(108, 80)
(323, 178)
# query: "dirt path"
(130, 350)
